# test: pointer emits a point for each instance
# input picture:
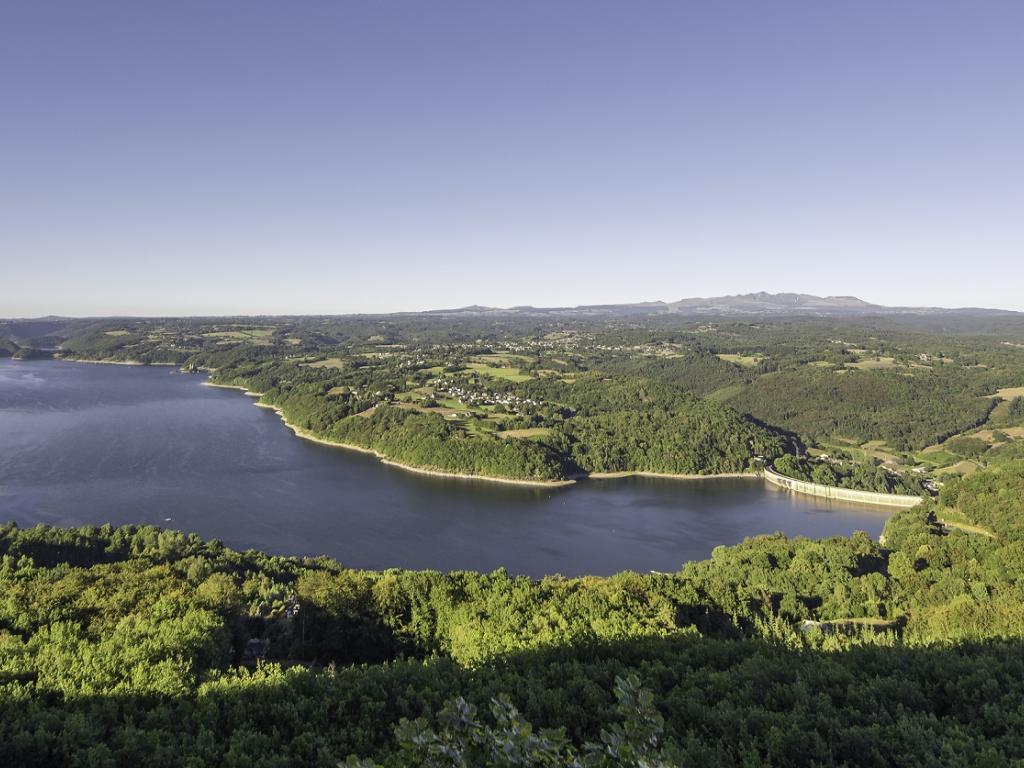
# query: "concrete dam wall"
(840, 494)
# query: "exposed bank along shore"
(670, 475)
(307, 435)
(111, 362)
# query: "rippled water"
(83, 443)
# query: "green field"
(874, 363)
(244, 333)
(502, 358)
(507, 374)
(725, 393)
(1009, 393)
(258, 336)
(331, 362)
(521, 433)
(744, 361)
(861, 452)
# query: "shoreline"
(794, 486)
(306, 435)
(826, 492)
(135, 363)
(669, 475)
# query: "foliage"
(908, 412)
(1012, 415)
(860, 476)
(427, 440)
(461, 740)
(135, 644)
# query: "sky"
(252, 157)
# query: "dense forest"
(627, 424)
(907, 411)
(136, 645)
(429, 441)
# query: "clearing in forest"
(744, 361)
(531, 432)
(508, 374)
(1008, 393)
(873, 363)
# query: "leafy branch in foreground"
(461, 739)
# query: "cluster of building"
(567, 343)
(657, 349)
(513, 403)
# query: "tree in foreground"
(461, 739)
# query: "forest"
(908, 413)
(861, 476)
(137, 645)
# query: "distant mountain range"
(748, 304)
(779, 304)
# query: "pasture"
(1008, 393)
(331, 362)
(525, 433)
(506, 374)
(874, 363)
(744, 361)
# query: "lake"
(92, 444)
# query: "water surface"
(94, 444)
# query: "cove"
(93, 444)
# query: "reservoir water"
(92, 444)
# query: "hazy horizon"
(248, 158)
(467, 306)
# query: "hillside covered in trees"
(124, 646)
(908, 412)
(588, 425)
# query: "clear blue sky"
(265, 157)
